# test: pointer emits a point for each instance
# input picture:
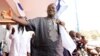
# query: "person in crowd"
(7, 41)
(47, 40)
(12, 41)
(78, 36)
(20, 41)
(2, 36)
(0, 49)
(73, 36)
(83, 42)
(91, 47)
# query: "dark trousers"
(7, 54)
(66, 52)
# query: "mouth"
(51, 11)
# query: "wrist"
(14, 18)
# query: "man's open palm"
(6, 14)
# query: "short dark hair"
(13, 31)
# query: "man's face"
(78, 35)
(8, 26)
(72, 34)
(51, 10)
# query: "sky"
(82, 15)
(88, 14)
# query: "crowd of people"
(38, 37)
(84, 48)
(79, 40)
(16, 41)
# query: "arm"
(28, 42)
(4, 49)
(9, 15)
(20, 20)
(30, 24)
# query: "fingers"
(3, 13)
(6, 14)
(60, 22)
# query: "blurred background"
(81, 15)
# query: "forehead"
(51, 5)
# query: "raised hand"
(60, 22)
(6, 14)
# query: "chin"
(51, 15)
